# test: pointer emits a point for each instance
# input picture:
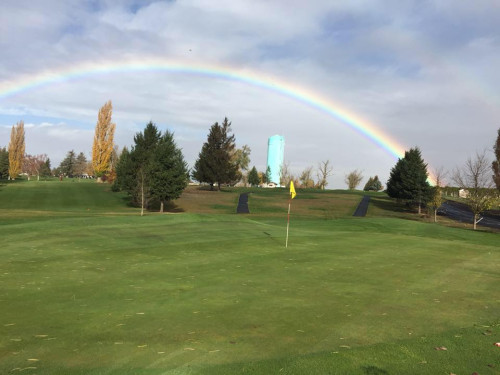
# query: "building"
(463, 193)
(275, 158)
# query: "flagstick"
(288, 223)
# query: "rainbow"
(301, 94)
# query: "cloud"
(423, 72)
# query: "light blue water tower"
(275, 157)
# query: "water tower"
(275, 157)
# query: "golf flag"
(292, 195)
(292, 190)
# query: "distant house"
(463, 193)
(270, 185)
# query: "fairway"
(87, 286)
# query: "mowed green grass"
(92, 288)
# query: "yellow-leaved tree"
(102, 149)
(16, 150)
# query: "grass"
(90, 287)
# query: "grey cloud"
(423, 72)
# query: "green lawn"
(87, 286)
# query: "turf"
(90, 287)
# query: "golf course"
(88, 286)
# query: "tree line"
(154, 171)
(409, 182)
(14, 160)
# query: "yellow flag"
(292, 190)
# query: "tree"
(141, 157)
(324, 171)
(33, 164)
(115, 155)
(373, 184)
(214, 163)
(437, 192)
(253, 177)
(496, 163)
(408, 179)
(306, 179)
(266, 176)
(475, 177)
(4, 163)
(45, 168)
(168, 171)
(125, 173)
(81, 164)
(353, 179)
(154, 169)
(241, 157)
(67, 166)
(16, 150)
(103, 145)
(285, 174)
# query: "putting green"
(102, 291)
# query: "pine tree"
(253, 177)
(373, 184)
(80, 166)
(215, 164)
(408, 179)
(103, 145)
(368, 184)
(4, 163)
(141, 156)
(168, 171)
(45, 169)
(496, 163)
(267, 175)
(67, 166)
(154, 170)
(16, 150)
(125, 174)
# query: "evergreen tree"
(45, 169)
(154, 170)
(368, 184)
(168, 171)
(67, 166)
(373, 184)
(4, 163)
(80, 166)
(253, 177)
(215, 163)
(125, 174)
(496, 163)
(141, 157)
(408, 179)
(268, 175)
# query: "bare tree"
(241, 157)
(306, 179)
(353, 179)
(437, 193)
(285, 174)
(33, 163)
(475, 177)
(324, 171)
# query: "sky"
(354, 82)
